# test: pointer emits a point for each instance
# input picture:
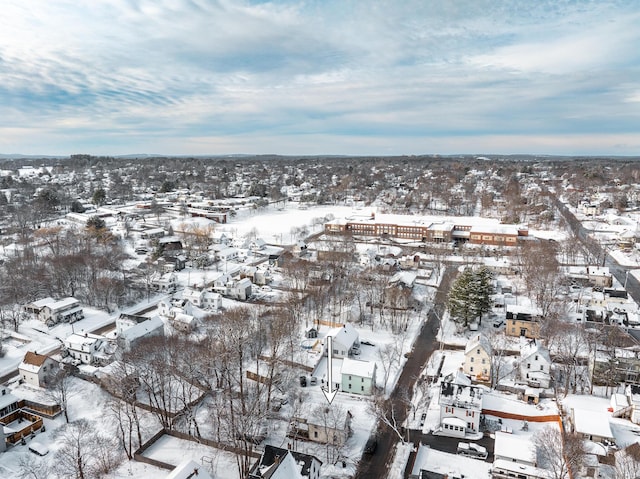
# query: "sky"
(313, 77)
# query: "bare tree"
(32, 468)
(560, 453)
(59, 387)
(83, 453)
(628, 462)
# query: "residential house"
(166, 283)
(202, 298)
(130, 329)
(430, 463)
(35, 307)
(535, 364)
(52, 312)
(622, 370)
(477, 358)
(16, 424)
(522, 321)
(322, 423)
(599, 276)
(591, 425)
(346, 341)
(460, 406)
(358, 377)
(515, 456)
(239, 289)
(85, 347)
(276, 462)
(185, 323)
(35, 369)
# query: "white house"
(599, 276)
(84, 347)
(460, 406)
(36, 368)
(203, 299)
(477, 358)
(130, 329)
(52, 312)
(535, 364)
(240, 289)
(322, 423)
(513, 448)
(36, 306)
(346, 341)
(358, 377)
(183, 322)
(166, 283)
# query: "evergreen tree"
(99, 197)
(481, 291)
(459, 301)
(470, 296)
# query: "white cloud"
(345, 71)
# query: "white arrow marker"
(328, 391)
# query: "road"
(631, 284)
(377, 465)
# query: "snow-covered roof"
(357, 367)
(592, 423)
(142, 329)
(346, 335)
(41, 302)
(521, 469)
(530, 347)
(478, 341)
(189, 469)
(62, 304)
(6, 399)
(78, 339)
(431, 460)
(517, 448)
(286, 468)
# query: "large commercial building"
(437, 229)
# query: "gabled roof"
(346, 335)
(476, 342)
(270, 454)
(533, 347)
(34, 359)
(357, 367)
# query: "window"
(536, 358)
(472, 358)
(349, 377)
(477, 351)
(361, 380)
(315, 434)
(471, 369)
(349, 387)
(362, 388)
(541, 367)
(483, 360)
(528, 365)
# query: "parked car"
(498, 323)
(303, 381)
(472, 449)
